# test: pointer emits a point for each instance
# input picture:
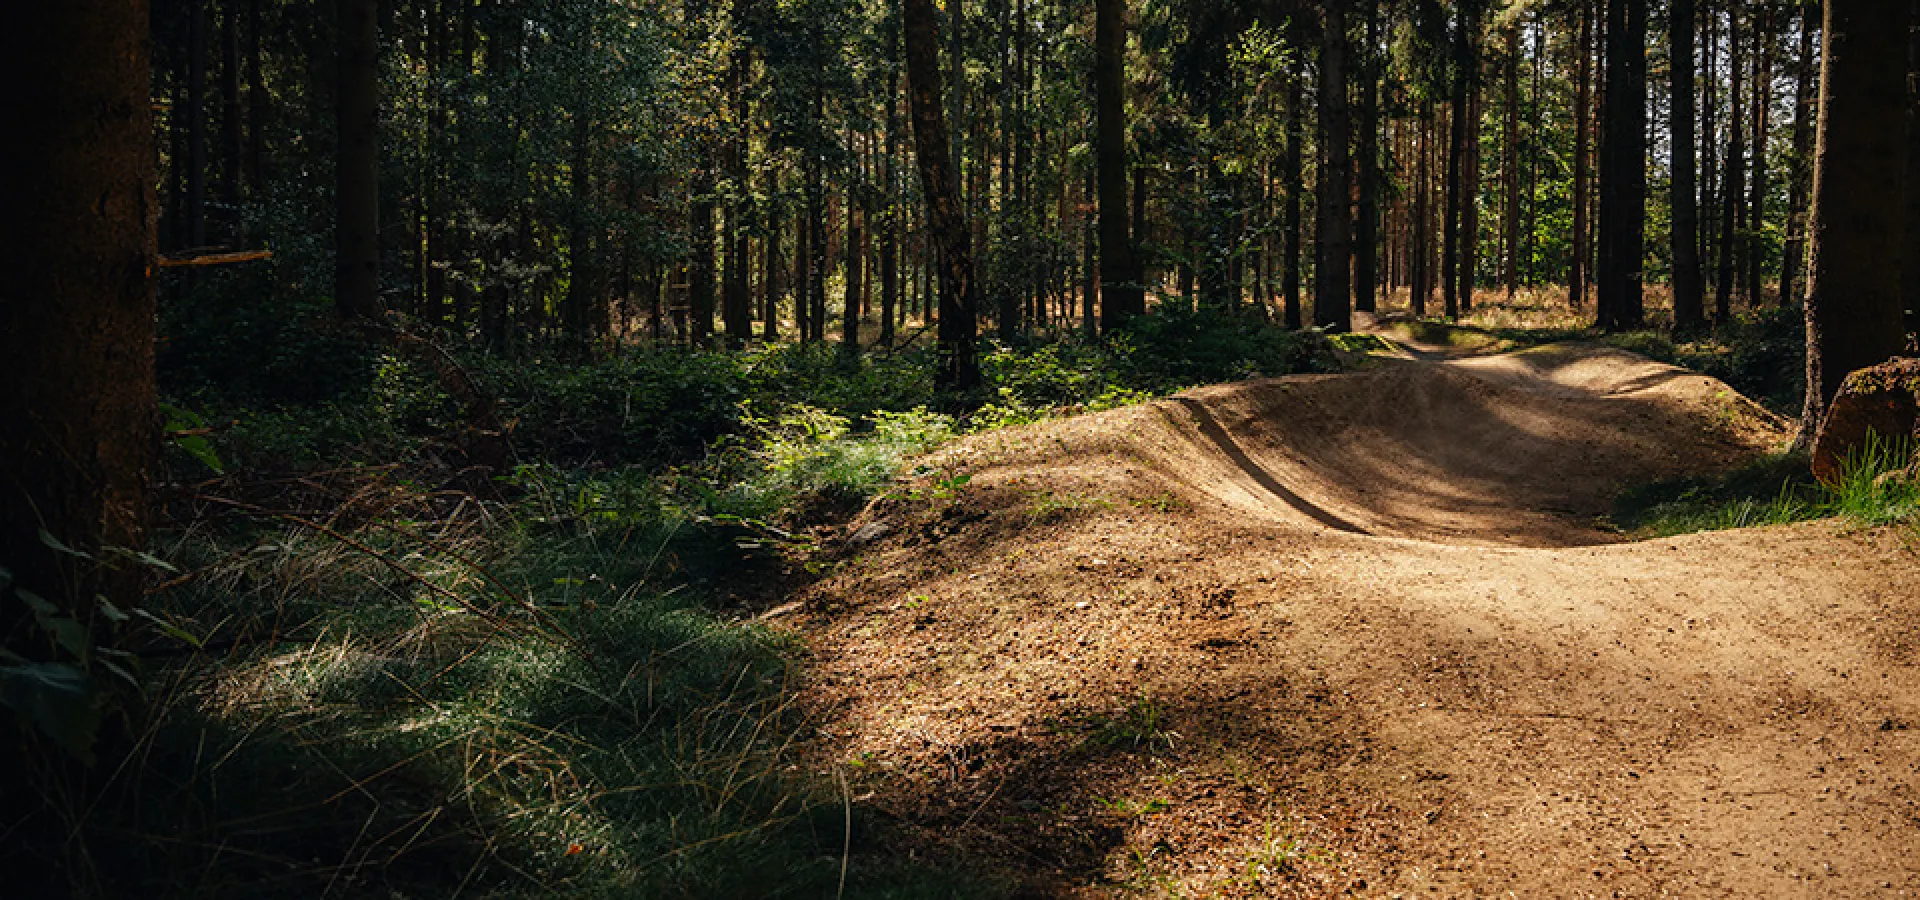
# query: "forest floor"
(1370, 634)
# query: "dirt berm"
(1362, 635)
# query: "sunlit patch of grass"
(501, 704)
(1775, 490)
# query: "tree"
(76, 312)
(960, 367)
(357, 172)
(1333, 231)
(1688, 292)
(1623, 168)
(1366, 236)
(1121, 294)
(1858, 232)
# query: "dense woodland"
(499, 306)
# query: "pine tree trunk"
(357, 164)
(1757, 189)
(76, 308)
(1420, 292)
(1290, 252)
(1121, 295)
(1854, 316)
(1731, 208)
(1623, 175)
(1366, 239)
(940, 183)
(1511, 166)
(1688, 293)
(1799, 193)
(196, 115)
(1333, 232)
(1582, 154)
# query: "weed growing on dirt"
(1140, 725)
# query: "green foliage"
(1774, 490)
(518, 702)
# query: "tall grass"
(1777, 490)
(477, 700)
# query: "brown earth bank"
(1362, 634)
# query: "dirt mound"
(1525, 449)
(1356, 635)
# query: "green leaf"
(197, 446)
(170, 629)
(57, 699)
(111, 611)
(47, 538)
(37, 603)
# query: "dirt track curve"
(1359, 635)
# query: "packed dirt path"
(1361, 635)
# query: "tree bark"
(1121, 295)
(76, 305)
(1731, 193)
(959, 368)
(1511, 166)
(1366, 236)
(1333, 234)
(1290, 251)
(1757, 189)
(1582, 156)
(1688, 293)
(1794, 253)
(1854, 315)
(1623, 175)
(1420, 291)
(357, 164)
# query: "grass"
(1775, 490)
(482, 699)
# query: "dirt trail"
(1360, 635)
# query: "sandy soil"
(1362, 635)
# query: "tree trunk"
(959, 369)
(1688, 293)
(1470, 211)
(1420, 292)
(1333, 232)
(856, 274)
(1854, 316)
(1582, 154)
(890, 216)
(232, 120)
(771, 271)
(1735, 187)
(76, 313)
(1757, 190)
(1623, 162)
(1295, 183)
(581, 271)
(1793, 254)
(1366, 238)
(1456, 199)
(196, 180)
(1121, 295)
(357, 165)
(1511, 165)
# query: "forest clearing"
(959, 449)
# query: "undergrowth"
(531, 698)
(1776, 490)
(380, 679)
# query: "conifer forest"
(959, 448)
